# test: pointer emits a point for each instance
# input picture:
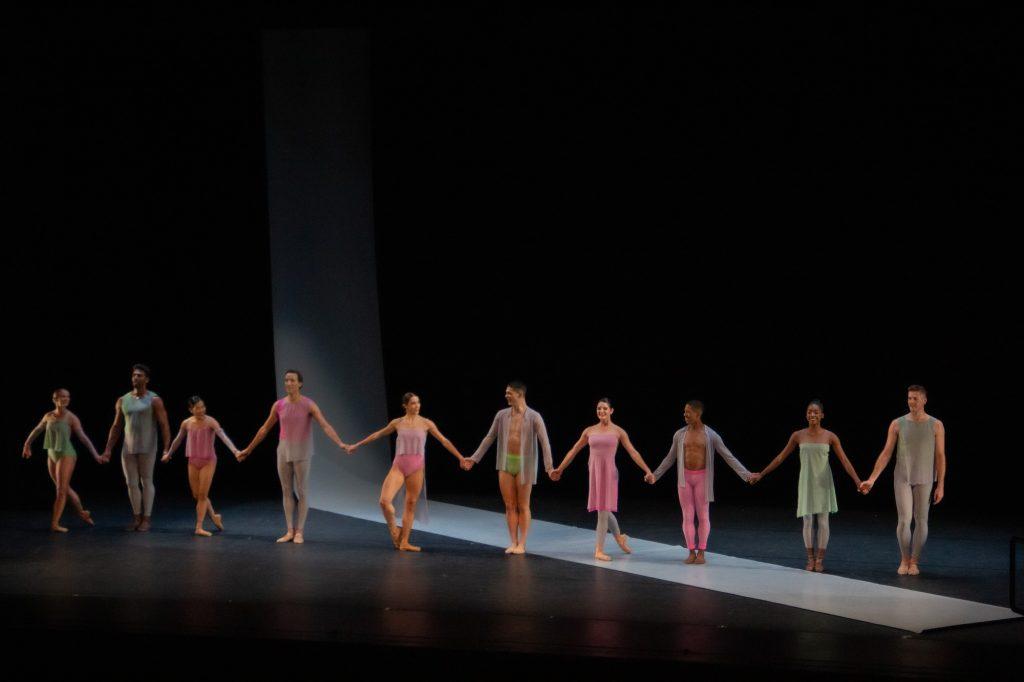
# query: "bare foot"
(601, 556)
(700, 557)
(87, 517)
(134, 525)
(202, 531)
(902, 570)
(218, 522)
(690, 559)
(287, 537)
(519, 549)
(145, 525)
(510, 549)
(298, 538)
(622, 539)
(912, 569)
(395, 534)
(406, 547)
(58, 529)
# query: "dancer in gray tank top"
(920, 444)
(137, 415)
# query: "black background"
(753, 206)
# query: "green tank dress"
(57, 440)
(817, 492)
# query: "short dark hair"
(517, 386)
(606, 401)
(193, 401)
(407, 397)
(297, 373)
(818, 403)
(142, 368)
(917, 388)
(696, 405)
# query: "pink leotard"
(409, 447)
(199, 446)
(604, 477)
(296, 442)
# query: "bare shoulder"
(214, 424)
(620, 431)
(428, 423)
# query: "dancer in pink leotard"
(198, 431)
(408, 467)
(296, 413)
(603, 439)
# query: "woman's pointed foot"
(86, 516)
(623, 541)
(218, 521)
(395, 535)
(601, 556)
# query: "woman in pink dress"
(603, 438)
(198, 432)
(407, 469)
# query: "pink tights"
(693, 497)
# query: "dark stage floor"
(346, 598)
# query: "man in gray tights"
(920, 443)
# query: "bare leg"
(193, 485)
(413, 486)
(904, 513)
(205, 481)
(284, 473)
(61, 473)
(507, 485)
(393, 482)
(523, 504)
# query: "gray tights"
(912, 502)
(822, 530)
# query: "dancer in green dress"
(816, 492)
(61, 456)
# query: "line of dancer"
(917, 439)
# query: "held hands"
(466, 463)
(754, 478)
(649, 478)
(166, 458)
(105, 457)
(242, 454)
(865, 486)
(555, 474)
(351, 448)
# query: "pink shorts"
(408, 464)
(200, 462)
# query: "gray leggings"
(912, 502)
(606, 522)
(293, 477)
(138, 474)
(823, 532)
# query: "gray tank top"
(915, 452)
(139, 425)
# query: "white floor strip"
(880, 604)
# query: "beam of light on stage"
(323, 265)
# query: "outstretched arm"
(567, 460)
(628, 445)
(328, 429)
(845, 461)
(433, 431)
(730, 459)
(940, 461)
(223, 436)
(182, 433)
(390, 428)
(26, 451)
(669, 460)
(260, 435)
(779, 458)
(545, 444)
(485, 444)
(883, 458)
(116, 429)
(76, 428)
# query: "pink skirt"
(604, 483)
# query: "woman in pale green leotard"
(58, 426)
(816, 493)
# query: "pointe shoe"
(287, 537)
(601, 556)
(912, 569)
(134, 525)
(58, 529)
(406, 547)
(690, 559)
(203, 532)
(86, 516)
(904, 567)
(510, 549)
(218, 522)
(810, 559)
(622, 539)
(395, 535)
(298, 538)
(700, 557)
(819, 561)
(145, 525)
(519, 549)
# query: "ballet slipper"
(406, 547)
(86, 516)
(519, 549)
(601, 556)
(510, 549)
(287, 537)
(203, 532)
(819, 565)
(136, 520)
(58, 529)
(622, 538)
(690, 559)
(700, 557)
(145, 525)
(810, 559)
(395, 535)
(298, 540)
(217, 521)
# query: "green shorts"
(513, 464)
(56, 457)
